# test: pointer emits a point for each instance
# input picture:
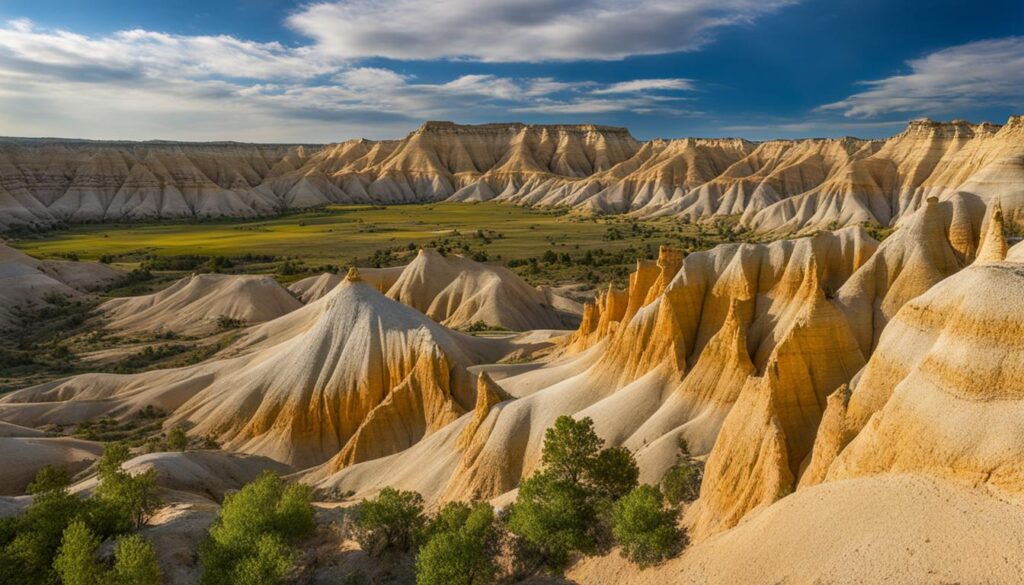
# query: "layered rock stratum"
(858, 401)
(777, 186)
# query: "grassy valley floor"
(343, 235)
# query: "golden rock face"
(776, 187)
(792, 367)
(954, 350)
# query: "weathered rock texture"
(351, 377)
(194, 304)
(26, 282)
(778, 186)
(459, 292)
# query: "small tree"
(644, 528)
(267, 565)
(613, 473)
(682, 482)
(249, 541)
(29, 542)
(75, 563)
(134, 560)
(556, 518)
(462, 548)
(48, 479)
(559, 510)
(177, 440)
(127, 500)
(393, 521)
(570, 447)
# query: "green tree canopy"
(393, 521)
(559, 510)
(461, 549)
(134, 560)
(644, 528)
(128, 500)
(249, 543)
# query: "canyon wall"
(778, 186)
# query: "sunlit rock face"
(777, 187)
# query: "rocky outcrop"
(941, 395)
(458, 292)
(351, 377)
(730, 317)
(766, 440)
(778, 186)
(194, 305)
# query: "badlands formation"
(777, 187)
(858, 405)
(26, 282)
(458, 292)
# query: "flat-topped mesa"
(951, 129)
(445, 127)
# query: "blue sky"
(324, 71)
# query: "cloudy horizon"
(328, 71)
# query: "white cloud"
(140, 52)
(981, 73)
(140, 85)
(520, 30)
(641, 85)
(812, 127)
(639, 104)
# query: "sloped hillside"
(775, 187)
(193, 305)
(27, 282)
(358, 376)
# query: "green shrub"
(461, 549)
(49, 479)
(644, 528)
(393, 521)
(177, 440)
(250, 542)
(75, 563)
(560, 510)
(127, 500)
(555, 518)
(29, 542)
(225, 322)
(270, 560)
(681, 483)
(134, 560)
(613, 472)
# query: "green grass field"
(340, 234)
(337, 236)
